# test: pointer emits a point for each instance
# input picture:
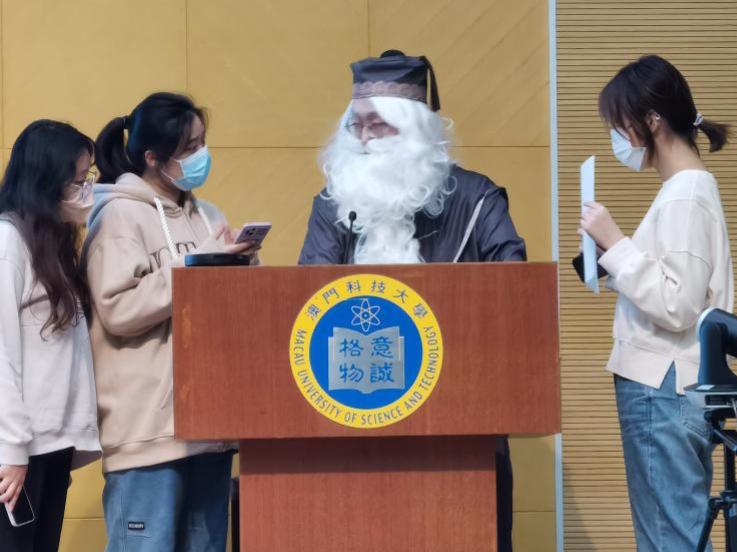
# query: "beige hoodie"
(134, 240)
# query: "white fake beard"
(386, 183)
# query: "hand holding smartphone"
(254, 232)
(22, 513)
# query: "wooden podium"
(426, 483)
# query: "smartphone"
(254, 232)
(22, 514)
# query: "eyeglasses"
(86, 185)
(377, 129)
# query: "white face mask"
(77, 203)
(625, 152)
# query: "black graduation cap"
(394, 74)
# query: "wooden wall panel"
(595, 38)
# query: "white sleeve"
(669, 286)
(15, 423)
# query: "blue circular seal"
(366, 351)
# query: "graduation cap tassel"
(434, 95)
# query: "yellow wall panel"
(273, 184)
(525, 173)
(491, 58)
(274, 73)
(275, 77)
(84, 500)
(83, 535)
(535, 532)
(2, 79)
(534, 485)
(87, 61)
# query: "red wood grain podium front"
(426, 483)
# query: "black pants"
(504, 496)
(46, 484)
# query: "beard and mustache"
(387, 182)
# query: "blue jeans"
(667, 457)
(179, 506)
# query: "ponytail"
(717, 133)
(110, 154)
(653, 84)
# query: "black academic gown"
(493, 238)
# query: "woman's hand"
(247, 248)
(11, 483)
(599, 250)
(599, 224)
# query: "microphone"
(349, 242)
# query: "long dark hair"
(161, 123)
(42, 164)
(652, 84)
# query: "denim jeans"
(667, 457)
(179, 506)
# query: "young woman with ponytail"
(675, 265)
(161, 494)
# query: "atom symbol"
(365, 316)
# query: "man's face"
(365, 124)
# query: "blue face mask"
(195, 169)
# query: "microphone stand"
(349, 242)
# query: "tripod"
(726, 502)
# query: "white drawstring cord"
(165, 226)
(167, 231)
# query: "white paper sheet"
(588, 244)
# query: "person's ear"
(654, 121)
(150, 159)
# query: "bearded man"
(394, 194)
